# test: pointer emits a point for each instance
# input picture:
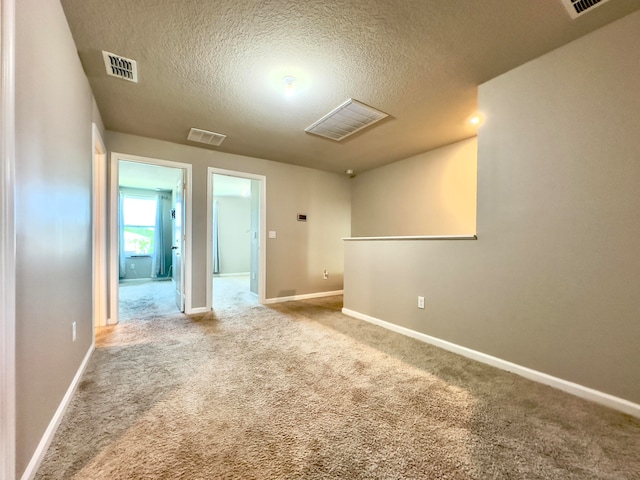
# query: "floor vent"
(120, 67)
(347, 119)
(580, 7)
(204, 136)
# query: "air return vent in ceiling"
(349, 118)
(580, 7)
(203, 136)
(120, 67)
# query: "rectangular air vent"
(580, 7)
(120, 67)
(347, 119)
(203, 136)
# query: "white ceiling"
(220, 65)
(226, 186)
(146, 176)
(154, 177)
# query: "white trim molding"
(99, 229)
(197, 310)
(620, 404)
(7, 243)
(305, 296)
(47, 437)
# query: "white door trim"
(114, 275)
(7, 243)
(99, 229)
(262, 281)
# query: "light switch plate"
(272, 234)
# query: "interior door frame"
(7, 243)
(262, 274)
(100, 231)
(114, 241)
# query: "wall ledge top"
(413, 237)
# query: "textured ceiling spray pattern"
(219, 66)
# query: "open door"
(255, 238)
(178, 239)
(223, 183)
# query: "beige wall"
(301, 251)
(54, 111)
(433, 193)
(234, 233)
(97, 118)
(552, 282)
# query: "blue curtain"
(158, 265)
(216, 248)
(123, 263)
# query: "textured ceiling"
(149, 177)
(154, 177)
(219, 65)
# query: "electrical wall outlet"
(325, 274)
(420, 302)
(74, 332)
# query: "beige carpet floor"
(298, 390)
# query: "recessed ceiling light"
(289, 85)
(476, 120)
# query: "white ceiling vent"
(203, 136)
(347, 119)
(120, 67)
(580, 7)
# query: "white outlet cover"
(272, 234)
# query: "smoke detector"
(577, 8)
(346, 119)
(120, 67)
(204, 136)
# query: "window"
(139, 215)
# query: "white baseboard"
(198, 310)
(238, 274)
(587, 393)
(306, 296)
(41, 450)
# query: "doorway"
(236, 226)
(150, 223)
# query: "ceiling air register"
(347, 119)
(205, 136)
(580, 7)
(120, 67)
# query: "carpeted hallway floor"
(298, 390)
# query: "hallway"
(148, 299)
